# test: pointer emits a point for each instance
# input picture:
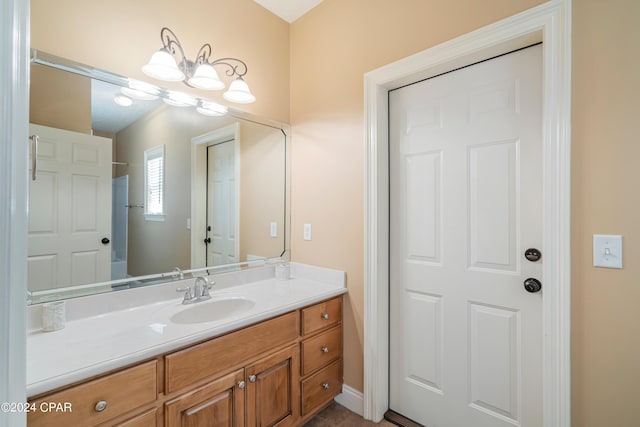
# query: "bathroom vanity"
(275, 362)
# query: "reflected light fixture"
(123, 101)
(199, 73)
(209, 108)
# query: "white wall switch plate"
(273, 232)
(607, 251)
(307, 232)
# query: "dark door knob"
(532, 254)
(207, 240)
(532, 285)
(105, 241)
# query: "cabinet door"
(217, 404)
(273, 390)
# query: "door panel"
(219, 403)
(465, 178)
(221, 204)
(69, 210)
(273, 390)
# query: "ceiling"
(289, 10)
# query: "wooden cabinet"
(273, 390)
(146, 419)
(186, 367)
(99, 400)
(220, 403)
(275, 373)
(321, 354)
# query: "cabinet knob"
(101, 405)
(325, 349)
(325, 316)
(241, 384)
(325, 386)
(252, 378)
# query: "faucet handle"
(205, 288)
(188, 296)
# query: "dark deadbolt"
(105, 241)
(532, 285)
(532, 254)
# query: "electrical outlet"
(273, 232)
(307, 232)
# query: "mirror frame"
(73, 291)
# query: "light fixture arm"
(170, 42)
(239, 70)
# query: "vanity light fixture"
(199, 73)
(140, 90)
(179, 99)
(209, 108)
(123, 101)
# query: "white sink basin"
(213, 310)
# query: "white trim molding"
(549, 23)
(351, 399)
(14, 132)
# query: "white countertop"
(109, 331)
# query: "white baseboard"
(351, 399)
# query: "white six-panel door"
(221, 204)
(466, 202)
(69, 210)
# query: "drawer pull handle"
(101, 406)
(325, 349)
(252, 378)
(241, 384)
(325, 386)
(325, 316)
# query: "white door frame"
(199, 146)
(14, 128)
(551, 24)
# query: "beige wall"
(121, 35)
(262, 190)
(340, 40)
(160, 246)
(605, 200)
(331, 48)
(59, 99)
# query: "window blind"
(154, 180)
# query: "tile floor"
(336, 415)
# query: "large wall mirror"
(134, 185)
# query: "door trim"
(551, 24)
(14, 128)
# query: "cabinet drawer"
(321, 387)
(321, 350)
(147, 419)
(321, 315)
(204, 360)
(122, 391)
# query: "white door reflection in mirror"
(69, 210)
(222, 209)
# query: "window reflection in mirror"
(94, 220)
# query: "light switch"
(307, 232)
(607, 251)
(274, 229)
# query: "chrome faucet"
(200, 292)
(180, 273)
